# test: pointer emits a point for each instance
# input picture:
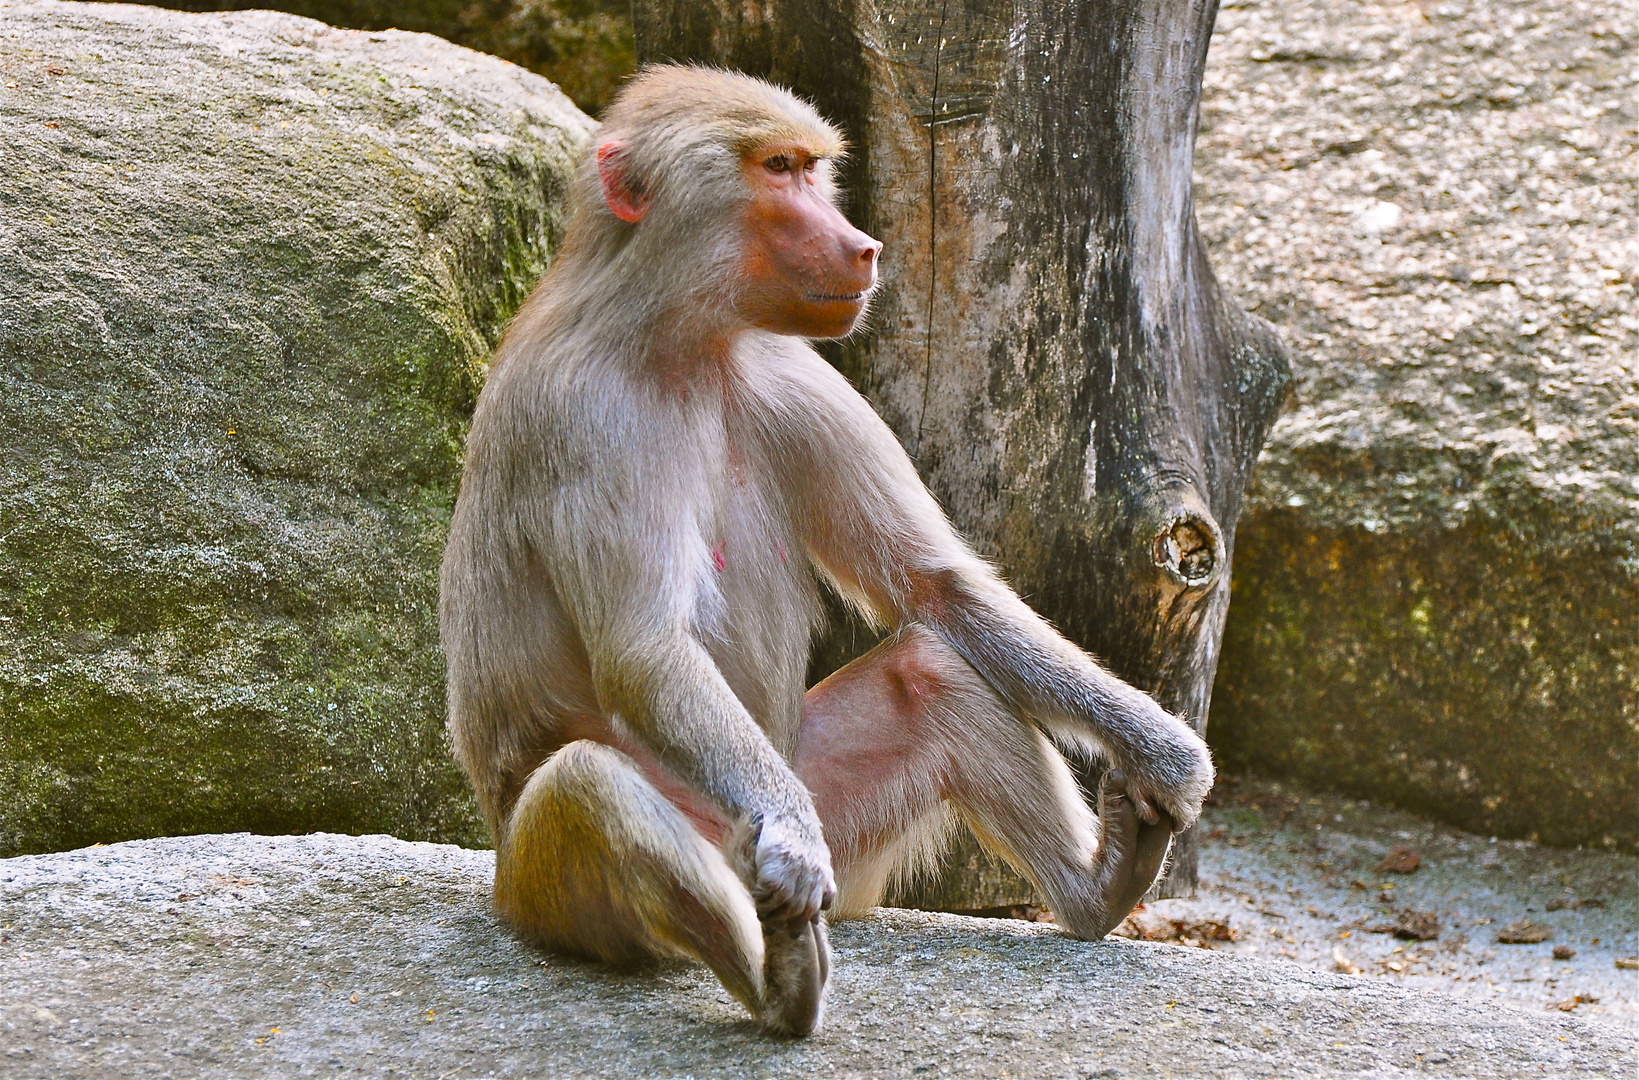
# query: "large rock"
(240, 956)
(1436, 594)
(585, 46)
(253, 269)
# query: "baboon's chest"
(757, 605)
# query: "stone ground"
(327, 955)
(1296, 875)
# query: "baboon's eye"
(779, 163)
(810, 165)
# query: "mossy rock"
(255, 267)
(1436, 586)
(1482, 674)
(585, 46)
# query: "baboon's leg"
(594, 860)
(910, 726)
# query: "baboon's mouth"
(832, 298)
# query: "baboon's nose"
(860, 251)
(865, 250)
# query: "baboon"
(661, 475)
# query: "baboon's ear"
(622, 190)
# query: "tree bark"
(1050, 343)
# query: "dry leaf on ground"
(1401, 859)
(1523, 932)
(1147, 926)
(1570, 1004)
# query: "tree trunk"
(1050, 343)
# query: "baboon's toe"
(796, 966)
(1132, 854)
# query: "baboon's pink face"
(804, 269)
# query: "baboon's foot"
(1130, 857)
(796, 967)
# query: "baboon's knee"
(597, 861)
(557, 862)
(580, 769)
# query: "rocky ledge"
(328, 955)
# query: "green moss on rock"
(255, 268)
(1472, 674)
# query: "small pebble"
(1563, 952)
(1401, 859)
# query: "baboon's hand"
(789, 868)
(1170, 771)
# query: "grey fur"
(653, 492)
